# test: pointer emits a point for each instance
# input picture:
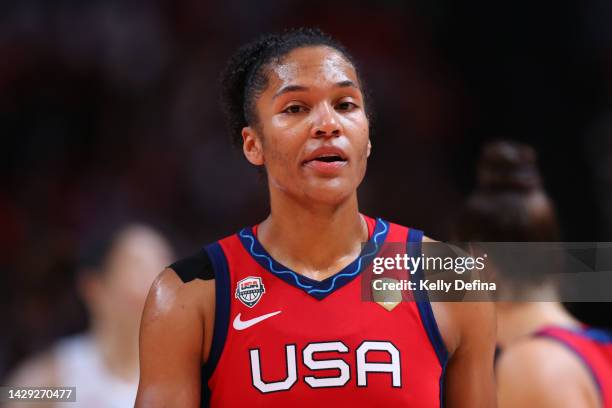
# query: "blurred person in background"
(546, 358)
(102, 363)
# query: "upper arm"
(470, 378)
(171, 339)
(541, 373)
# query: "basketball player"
(272, 316)
(103, 362)
(547, 358)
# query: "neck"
(118, 348)
(315, 240)
(516, 320)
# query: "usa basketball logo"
(250, 290)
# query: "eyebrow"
(300, 88)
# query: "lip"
(326, 168)
(325, 150)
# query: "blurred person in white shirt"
(102, 363)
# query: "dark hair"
(93, 255)
(96, 248)
(509, 204)
(245, 77)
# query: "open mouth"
(329, 159)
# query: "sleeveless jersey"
(281, 338)
(594, 348)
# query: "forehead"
(311, 65)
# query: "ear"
(369, 148)
(252, 147)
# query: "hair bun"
(508, 165)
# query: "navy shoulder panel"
(197, 266)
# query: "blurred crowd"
(109, 114)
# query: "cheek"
(276, 154)
(281, 146)
(358, 130)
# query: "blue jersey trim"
(262, 257)
(598, 335)
(414, 247)
(222, 306)
(441, 383)
(317, 289)
(578, 354)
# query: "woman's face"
(312, 133)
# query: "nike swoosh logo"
(245, 324)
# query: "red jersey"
(594, 348)
(281, 338)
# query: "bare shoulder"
(39, 370)
(542, 372)
(458, 321)
(174, 306)
(539, 359)
(169, 294)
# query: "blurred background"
(109, 113)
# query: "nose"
(325, 123)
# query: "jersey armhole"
(414, 249)
(220, 265)
(551, 335)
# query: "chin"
(331, 192)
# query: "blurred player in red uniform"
(546, 357)
(272, 316)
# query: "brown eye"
(345, 106)
(295, 109)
